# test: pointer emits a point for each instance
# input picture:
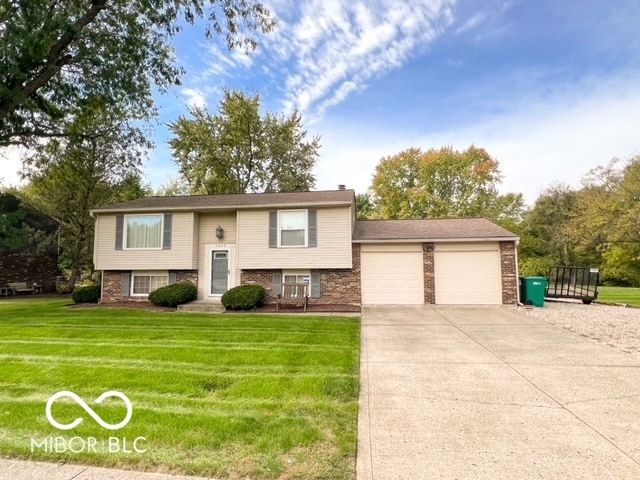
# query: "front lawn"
(627, 296)
(222, 395)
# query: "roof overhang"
(439, 240)
(221, 208)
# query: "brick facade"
(186, 276)
(112, 285)
(337, 285)
(509, 273)
(429, 273)
(341, 285)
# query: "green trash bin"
(532, 290)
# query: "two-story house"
(220, 241)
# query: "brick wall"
(341, 285)
(509, 275)
(429, 279)
(260, 277)
(337, 285)
(188, 276)
(15, 267)
(112, 285)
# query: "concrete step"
(201, 307)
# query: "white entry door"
(220, 269)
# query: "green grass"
(229, 396)
(628, 296)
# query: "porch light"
(219, 232)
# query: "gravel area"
(616, 326)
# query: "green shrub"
(86, 294)
(244, 297)
(174, 295)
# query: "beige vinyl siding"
(208, 222)
(334, 242)
(179, 257)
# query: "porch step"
(201, 307)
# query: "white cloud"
(194, 97)
(472, 22)
(220, 62)
(329, 48)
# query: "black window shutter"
(166, 237)
(273, 229)
(119, 231)
(277, 284)
(313, 228)
(172, 278)
(315, 285)
(125, 284)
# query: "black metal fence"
(573, 282)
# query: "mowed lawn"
(627, 296)
(230, 396)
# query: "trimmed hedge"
(86, 294)
(174, 295)
(244, 297)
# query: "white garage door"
(467, 274)
(392, 275)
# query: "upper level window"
(292, 228)
(143, 231)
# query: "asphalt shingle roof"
(429, 229)
(243, 200)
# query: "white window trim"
(306, 273)
(125, 226)
(306, 229)
(152, 273)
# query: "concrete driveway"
(485, 392)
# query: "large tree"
(24, 229)
(56, 54)
(95, 164)
(239, 150)
(442, 183)
(606, 221)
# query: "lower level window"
(297, 277)
(145, 283)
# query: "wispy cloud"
(330, 48)
(472, 22)
(194, 97)
(220, 62)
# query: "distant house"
(219, 241)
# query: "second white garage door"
(392, 274)
(467, 274)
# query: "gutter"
(213, 208)
(439, 240)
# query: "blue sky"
(550, 88)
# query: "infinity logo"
(89, 410)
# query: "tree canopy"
(95, 164)
(54, 55)
(442, 183)
(240, 151)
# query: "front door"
(219, 272)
